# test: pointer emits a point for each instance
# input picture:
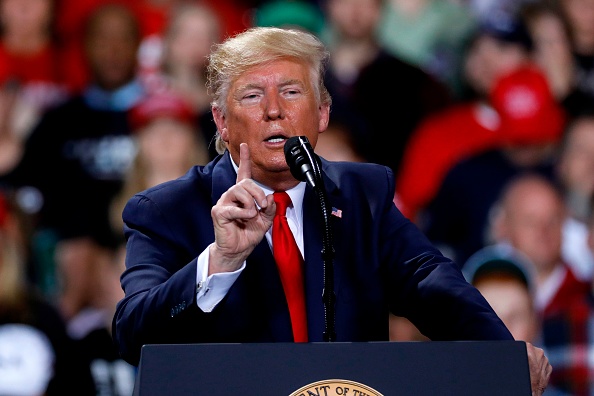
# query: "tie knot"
(283, 201)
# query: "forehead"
(277, 71)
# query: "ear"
(324, 111)
(221, 123)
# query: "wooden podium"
(485, 368)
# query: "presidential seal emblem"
(334, 387)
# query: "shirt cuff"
(210, 290)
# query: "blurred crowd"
(483, 109)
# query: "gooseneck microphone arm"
(305, 166)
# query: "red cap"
(529, 112)
(161, 105)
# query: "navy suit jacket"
(383, 264)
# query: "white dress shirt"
(210, 290)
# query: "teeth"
(276, 140)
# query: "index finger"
(245, 163)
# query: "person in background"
(553, 53)
(580, 20)
(90, 327)
(191, 32)
(361, 68)
(505, 278)
(430, 34)
(31, 77)
(337, 144)
(530, 217)
(500, 45)
(202, 273)
(531, 124)
(574, 171)
(38, 358)
(168, 145)
(76, 157)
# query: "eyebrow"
(249, 86)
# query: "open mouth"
(276, 139)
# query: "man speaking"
(230, 252)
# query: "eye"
(250, 97)
(291, 92)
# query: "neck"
(278, 181)
(25, 43)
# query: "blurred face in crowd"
(166, 144)
(266, 105)
(111, 43)
(580, 14)
(190, 37)
(531, 220)
(26, 17)
(489, 59)
(552, 50)
(576, 164)
(512, 302)
(355, 18)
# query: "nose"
(273, 106)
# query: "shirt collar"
(121, 99)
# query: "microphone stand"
(305, 166)
(328, 295)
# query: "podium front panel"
(486, 368)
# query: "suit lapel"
(223, 177)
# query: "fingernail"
(264, 203)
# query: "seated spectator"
(531, 124)
(168, 142)
(553, 54)
(530, 216)
(575, 173)
(505, 278)
(467, 128)
(430, 34)
(191, 31)
(580, 20)
(361, 68)
(84, 148)
(31, 77)
(90, 327)
(38, 357)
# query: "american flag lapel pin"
(336, 212)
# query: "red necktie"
(290, 263)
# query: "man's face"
(511, 301)
(355, 18)
(111, 49)
(534, 223)
(267, 105)
(489, 59)
(576, 164)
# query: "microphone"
(300, 157)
